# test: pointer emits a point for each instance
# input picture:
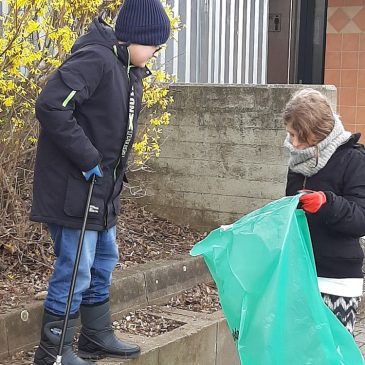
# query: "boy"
(88, 113)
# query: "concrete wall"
(222, 154)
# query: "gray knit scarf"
(305, 161)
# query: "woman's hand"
(313, 201)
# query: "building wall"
(222, 155)
(278, 43)
(345, 60)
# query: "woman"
(327, 162)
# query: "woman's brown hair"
(309, 113)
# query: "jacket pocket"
(76, 196)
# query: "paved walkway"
(360, 332)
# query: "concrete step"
(133, 288)
(201, 339)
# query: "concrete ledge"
(166, 278)
(3, 344)
(204, 340)
(132, 288)
(128, 289)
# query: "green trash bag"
(264, 269)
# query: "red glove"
(312, 202)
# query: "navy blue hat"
(143, 22)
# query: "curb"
(132, 288)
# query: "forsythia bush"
(36, 36)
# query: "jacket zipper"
(130, 128)
(130, 131)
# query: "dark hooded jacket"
(88, 113)
(336, 228)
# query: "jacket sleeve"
(72, 84)
(346, 213)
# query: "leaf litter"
(142, 237)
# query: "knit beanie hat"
(143, 22)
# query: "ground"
(360, 332)
(142, 237)
(202, 298)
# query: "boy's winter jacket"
(88, 113)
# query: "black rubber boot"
(50, 338)
(97, 338)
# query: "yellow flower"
(33, 140)
(8, 102)
(31, 27)
(32, 51)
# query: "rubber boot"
(97, 338)
(50, 338)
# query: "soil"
(142, 237)
(202, 298)
(151, 321)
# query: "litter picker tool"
(74, 273)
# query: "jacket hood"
(352, 141)
(355, 138)
(101, 33)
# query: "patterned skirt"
(345, 309)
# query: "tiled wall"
(345, 60)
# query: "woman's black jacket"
(335, 229)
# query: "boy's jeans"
(98, 259)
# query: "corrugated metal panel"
(223, 41)
(3, 7)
